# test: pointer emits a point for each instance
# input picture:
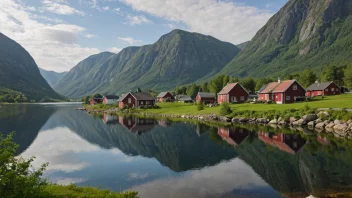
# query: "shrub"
(225, 109)
(200, 106)
(142, 107)
(156, 107)
(18, 178)
(125, 107)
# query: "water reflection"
(174, 159)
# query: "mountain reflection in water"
(161, 158)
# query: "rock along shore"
(310, 121)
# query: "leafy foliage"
(225, 109)
(200, 106)
(348, 76)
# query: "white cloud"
(117, 10)
(62, 9)
(52, 45)
(137, 20)
(90, 35)
(106, 8)
(130, 40)
(114, 50)
(225, 20)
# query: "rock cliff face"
(304, 33)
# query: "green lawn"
(340, 101)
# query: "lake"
(160, 158)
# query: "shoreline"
(312, 121)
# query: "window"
(147, 102)
(141, 102)
(332, 89)
(276, 97)
(288, 97)
(242, 98)
(294, 87)
(326, 89)
(129, 101)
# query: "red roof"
(227, 88)
(276, 87)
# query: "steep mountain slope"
(51, 77)
(303, 34)
(243, 45)
(177, 58)
(19, 72)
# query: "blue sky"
(60, 33)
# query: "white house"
(110, 99)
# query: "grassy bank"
(73, 191)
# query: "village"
(280, 92)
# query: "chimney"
(317, 81)
(278, 80)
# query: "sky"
(61, 33)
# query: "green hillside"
(20, 73)
(52, 77)
(303, 34)
(177, 58)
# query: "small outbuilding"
(95, 101)
(110, 99)
(136, 99)
(283, 92)
(165, 97)
(233, 93)
(323, 89)
(206, 98)
(184, 99)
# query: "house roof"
(183, 98)
(162, 94)
(227, 88)
(111, 97)
(319, 86)
(138, 96)
(262, 88)
(122, 97)
(276, 87)
(206, 95)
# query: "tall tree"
(205, 87)
(225, 80)
(192, 91)
(216, 84)
(348, 76)
(307, 77)
(249, 84)
(333, 73)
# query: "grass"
(72, 191)
(338, 101)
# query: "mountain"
(20, 73)
(51, 77)
(303, 34)
(243, 45)
(177, 58)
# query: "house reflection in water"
(233, 136)
(110, 119)
(290, 143)
(164, 123)
(323, 140)
(137, 125)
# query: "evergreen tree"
(307, 77)
(348, 76)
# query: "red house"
(282, 92)
(206, 98)
(233, 136)
(95, 101)
(165, 97)
(233, 93)
(137, 125)
(136, 99)
(323, 89)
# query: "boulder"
(243, 119)
(292, 119)
(282, 123)
(336, 122)
(324, 112)
(318, 121)
(274, 121)
(320, 125)
(235, 120)
(279, 119)
(262, 120)
(225, 119)
(349, 121)
(330, 125)
(311, 124)
(301, 122)
(310, 117)
(341, 127)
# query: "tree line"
(342, 76)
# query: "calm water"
(166, 159)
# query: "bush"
(18, 178)
(156, 107)
(225, 109)
(142, 107)
(200, 106)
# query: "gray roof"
(111, 97)
(121, 98)
(162, 94)
(183, 98)
(262, 88)
(206, 95)
(319, 86)
(142, 96)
